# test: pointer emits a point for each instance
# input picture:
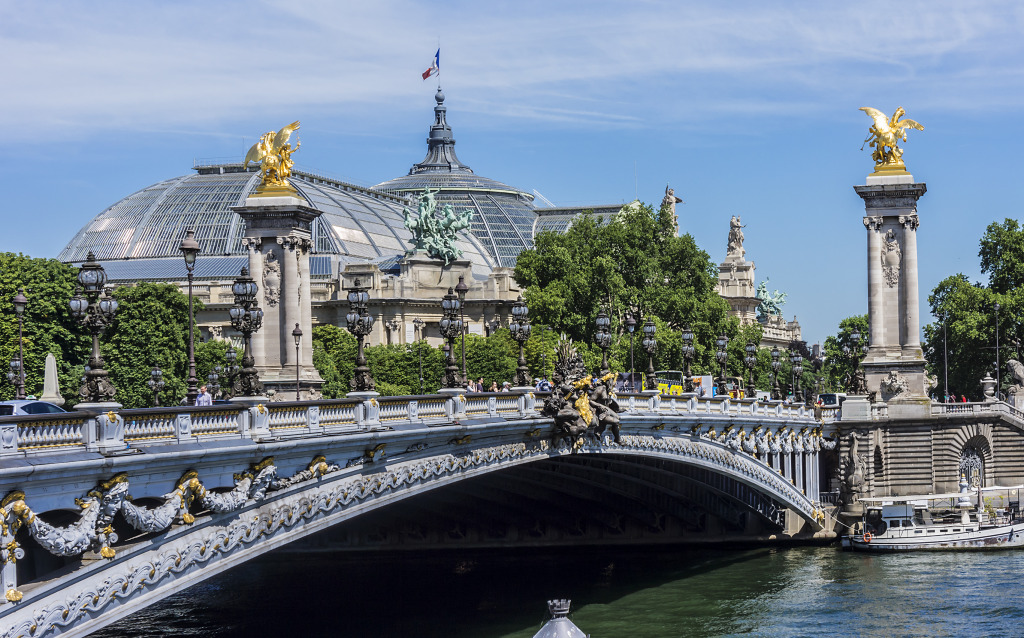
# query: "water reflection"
(616, 592)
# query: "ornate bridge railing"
(117, 430)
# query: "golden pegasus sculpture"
(886, 133)
(274, 155)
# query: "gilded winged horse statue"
(274, 154)
(886, 133)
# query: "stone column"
(876, 324)
(257, 343)
(306, 306)
(291, 284)
(798, 464)
(913, 315)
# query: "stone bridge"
(105, 513)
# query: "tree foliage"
(48, 324)
(841, 365)
(1002, 256)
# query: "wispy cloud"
(78, 69)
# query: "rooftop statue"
(771, 303)
(274, 154)
(436, 234)
(884, 136)
(735, 248)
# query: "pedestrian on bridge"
(204, 398)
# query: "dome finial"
(439, 96)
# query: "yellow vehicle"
(670, 381)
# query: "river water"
(616, 592)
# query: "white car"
(28, 406)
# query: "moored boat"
(988, 518)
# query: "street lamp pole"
(20, 302)
(190, 249)
(156, 384)
(688, 352)
(297, 335)
(603, 338)
(419, 347)
(94, 313)
(650, 345)
(451, 327)
(776, 365)
(360, 323)
(520, 329)
(751, 361)
(246, 317)
(461, 289)
(945, 358)
(722, 356)
(631, 328)
(797, 360)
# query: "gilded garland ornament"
(274, 154)
(884, 136)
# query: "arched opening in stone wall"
(972, 463)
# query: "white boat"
(986, 519)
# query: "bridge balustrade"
(116, 430)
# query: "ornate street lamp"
(797, 360)
(631, 328)
(603, 338)
(213, 381)
(297, 335)
(650, 346)
(451, 327)
(156, 385)
(461, 289)
(418, 323)
(776, 365)
(520, 329)
(722, 357)
(751, 362)
(360, 323)
(20, 301)
(190, 249)
(95, 313)
(688, 352)
(246, 317)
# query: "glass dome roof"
(503, 216)
(147, 226)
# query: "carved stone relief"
(891, 258)
(271, 279)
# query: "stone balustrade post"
(110, 432)
(371, 413)
(183, 427)
(313, 419)
(8, 439)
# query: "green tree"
(631, 266)
(842, 353)
(149, 330)
(48, 324)
(1002, 256)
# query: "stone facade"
(736, 286)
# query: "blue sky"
(745, 108)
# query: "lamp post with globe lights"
(776, 366)
(451, 327)
(16, 376)
(20, 301)
(156, 384)
(230, 370)
(631, 328)
(520, 329)
(722, 357)
(603, 338)
(94, 308)
(688, 352)
(213, 381)
(650, 346)
(751, 362)
(297, 336)
(461, 289)
(190, 249)
(797, 360)
(360, 323)
(246, 317)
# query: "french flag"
(435, 66)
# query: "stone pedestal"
(736, 286)
(278, 235)
(894, 366)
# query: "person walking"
(204, 398)
(494, 386)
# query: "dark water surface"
(634, 593)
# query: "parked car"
(28, 406)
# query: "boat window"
(917, 531)
(943, 531)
